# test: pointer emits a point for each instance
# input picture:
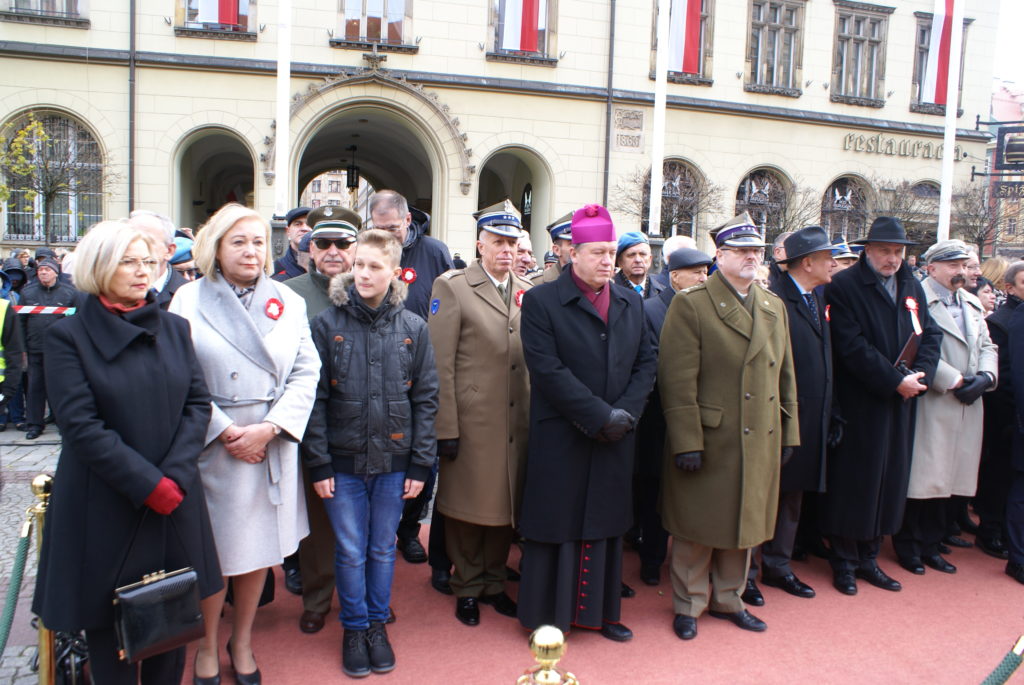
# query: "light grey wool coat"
(257, 369)
(947, 437)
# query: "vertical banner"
(521, 23)
(684, 36)
(936, 72)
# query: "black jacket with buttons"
(377, 397)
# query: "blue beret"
(182, 251)
(629, 239)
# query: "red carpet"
(939, 629)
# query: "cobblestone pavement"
(20, 461)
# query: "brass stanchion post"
(548, 646)
(41, 487)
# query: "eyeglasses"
(325, 243)
(136, 264)
(187, 272)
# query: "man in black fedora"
(879, 315)
(809, 264)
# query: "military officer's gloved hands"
(448, 448)
(615, 428)
(689, 461)
(973, 387)
(836, 426)
(787, 454)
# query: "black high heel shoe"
(253, 678)
(212, 680)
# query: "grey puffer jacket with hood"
(377, 397)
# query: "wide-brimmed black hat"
(885, 229)
(801, 243)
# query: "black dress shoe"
(311, 621)
(501, 602)
(936, 562)
(196, 680)
(1015, 571)
(626, 592)
(957, 541)
(650, 575)
(21, 426)
(913, 564)
(467, 610)
(993, 547)
(877, 577)
(253, 678)
(685, 627)
(33, 432)
(943, 548)
(845, 582)
(791, 584)
(440, 580)
(293, 581)
(967, 525)
(616, 632)
(742, 619)
(512, 575)
(412, 551)
(752, 595)
(3, 427)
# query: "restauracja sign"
(897, 147)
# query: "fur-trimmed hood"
(340, 284)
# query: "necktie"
(503, 291)
(639, 289)
(813, 306)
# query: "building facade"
(458, 104)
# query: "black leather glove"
(972, 388)
(615, 428)
(689, 461)
(836, 427)
(787, 454)
(448, 448)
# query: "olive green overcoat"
(728, 389)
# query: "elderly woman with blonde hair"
(252, 339)
(132, 407)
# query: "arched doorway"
(844, 208)
(775, 203)
(389, 153)
(521, 175)
(215, 167)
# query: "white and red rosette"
(408, 275)
(828, 312)
(519, 297)
(911, 304)
(274, 308)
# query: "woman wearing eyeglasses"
(132, 406)
(252, 340)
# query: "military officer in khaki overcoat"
(483, 417)
(560, 231)
(728, 392)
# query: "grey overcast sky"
(1009, 56)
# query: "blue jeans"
(364, 514)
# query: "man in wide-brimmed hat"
(878, 314)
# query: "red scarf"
(601, 299)
(119, 309)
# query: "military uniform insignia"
(435, 305)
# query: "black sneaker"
(355, 658)
(382, 657)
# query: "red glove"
(166, 497)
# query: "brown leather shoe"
(311, 622)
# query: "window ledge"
(864, 6)
(44, 19)
(772, 90)
(537, 60)
(931, 108)
(365, 45)
(215, 34)
(860, 102)
(685, 78)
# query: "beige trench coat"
(947, 436)
(484, 395)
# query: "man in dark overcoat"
(1015, 495)
(809, 265)
(592, 366)
(875, 307)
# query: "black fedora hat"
(885, 229)
(805, 241)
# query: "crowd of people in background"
(306, 412)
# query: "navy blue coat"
(1015, 347)
(650, 431)
(576, 487)
(428, 257)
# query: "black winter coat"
(60, 294)
(869, 472)
(164, 297)
(132, 406)
(1015, 347)
(576, 487)
(428, 257)
(377, 397)
(650, 430)
(1000, 412)
(812, 358)
(652, 287)
(287, 266)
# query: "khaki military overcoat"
(728, 389)
(484, 395)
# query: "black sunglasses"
(325, 243)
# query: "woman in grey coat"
(252, 339)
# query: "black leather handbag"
(158, 613)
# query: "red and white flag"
(524, 19)
(684, 36)
(218, 12)
(936, 70)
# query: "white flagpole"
(282, 141)
(658, 128)
(952, 100)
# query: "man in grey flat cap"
(947, 444)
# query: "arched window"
(844, 208)
(765, 195)
(52, 168)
